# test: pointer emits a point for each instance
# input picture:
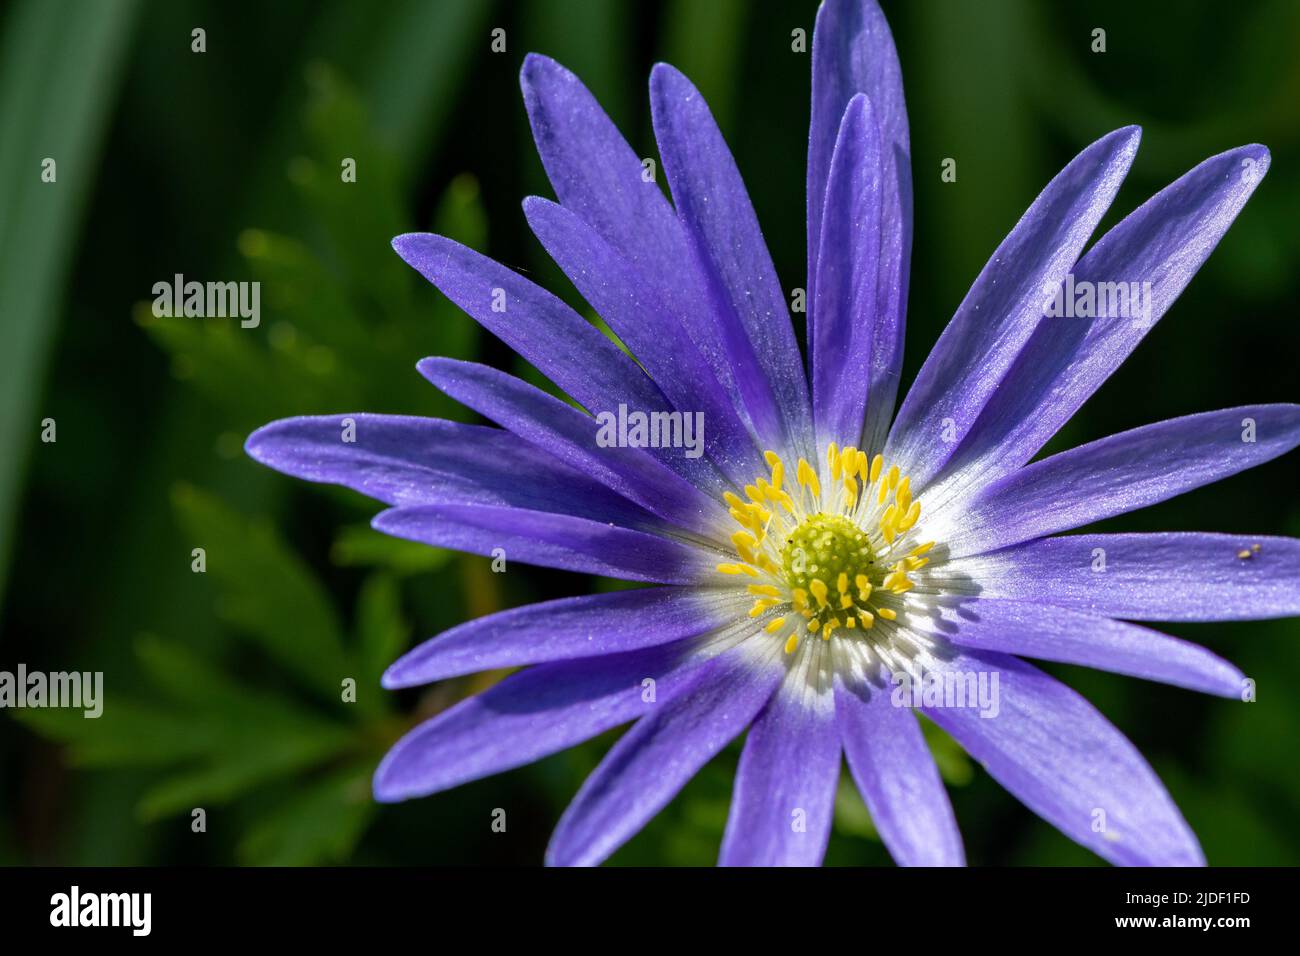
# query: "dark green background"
(224, 166)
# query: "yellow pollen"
(826, 561)
(876, 464)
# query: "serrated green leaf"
(267, 591)
(126, 734)
(260, 759)
(321, 825)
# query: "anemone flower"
(823, 568)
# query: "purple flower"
(825, 567)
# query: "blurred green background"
(221, 687)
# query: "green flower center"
(824, 547)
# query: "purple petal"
(647, 325)
(402, 460)
(743, 286)
(560, 630)
(528, 716)
(597, 175)
(1062, 759)
(1123, 473)
(656, 758)
(897, 776)
(847, 274)
(564, 346)
(784, 798)
(571, 436)
(853, 52)
(1048, 633)
(1004, 305)
(1164, 243)
(549, 540)
(1148, 577)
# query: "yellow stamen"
(818, 588)
(876, 464)
(820, 562)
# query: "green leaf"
(259, 758)
(267, 591)
(704, 41)
(851, 814)
(127, 734)
(382, 633)
(954, 764)
(360, 545)
(321, 825)
(59, 67)
(414, 68)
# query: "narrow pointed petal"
(655, 759)
(549, 540)
(527, 716)
(896, 775)
(572, 437)
(1044, 632)
(1163, 243)
(586, 626)
(843, 357)
(783, 802)
(853, 53)
(1062, 759)
(743, 289)
(647, 325)
(1004, 306)
(402, 460)
(1148, 577)
(564, 346)
(1125, 472)
(598, 176)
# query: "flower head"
(825, 567)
